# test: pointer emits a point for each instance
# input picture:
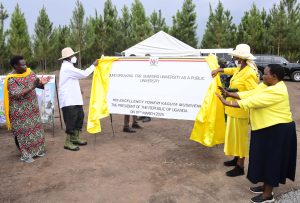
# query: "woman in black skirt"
(273, 145)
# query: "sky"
(60, 11)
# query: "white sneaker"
(41, 154)
(27, 160)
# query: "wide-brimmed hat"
(67, 52)
(242, 51)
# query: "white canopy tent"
(162, 44)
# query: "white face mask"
(73, 59)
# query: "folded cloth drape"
(209, 126)
(98, 107)
(6, 96)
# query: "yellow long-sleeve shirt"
(243, 80)
(269, 105)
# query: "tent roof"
(162, 44)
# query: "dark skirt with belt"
(273, 154)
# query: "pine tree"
(61, 36)
(43, 39)
(125, 24)
(112, 26)
(251, 30)
(184, 24)
(95, 38)
(3, 48)
(157, 22)
(99, 31)
(139, 22)
(90, 39)
(220, 31)
(18, 38)
(278, 27)
(265, 41)
(292, 8)
(78, 30)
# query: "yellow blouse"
(269, 105)
(243, 80)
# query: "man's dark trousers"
(73, 118)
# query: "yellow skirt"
(236, 137)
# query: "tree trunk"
(278, 47)
(45, 65)
(79, 60)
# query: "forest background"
(276, 31)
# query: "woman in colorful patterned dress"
(22, 110)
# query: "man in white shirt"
(70, 98)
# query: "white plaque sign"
(164, 88)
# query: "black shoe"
(128, 130)
(237, 171)
(260, 198)
(257, 190)
(146, 119)
(136, 126)
(232, 162)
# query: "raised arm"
(215, 72)
(80, 74)
(42, 81)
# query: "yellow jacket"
(269, 105)
(243, 80)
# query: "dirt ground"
(158, 164)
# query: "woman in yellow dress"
(273, 145)
(244, 78)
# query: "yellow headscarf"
(6, 99)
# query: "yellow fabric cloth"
(98, 105)
(269, 105)
(209, 126)
(6, 97)
(243, 80)
(236, 137)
